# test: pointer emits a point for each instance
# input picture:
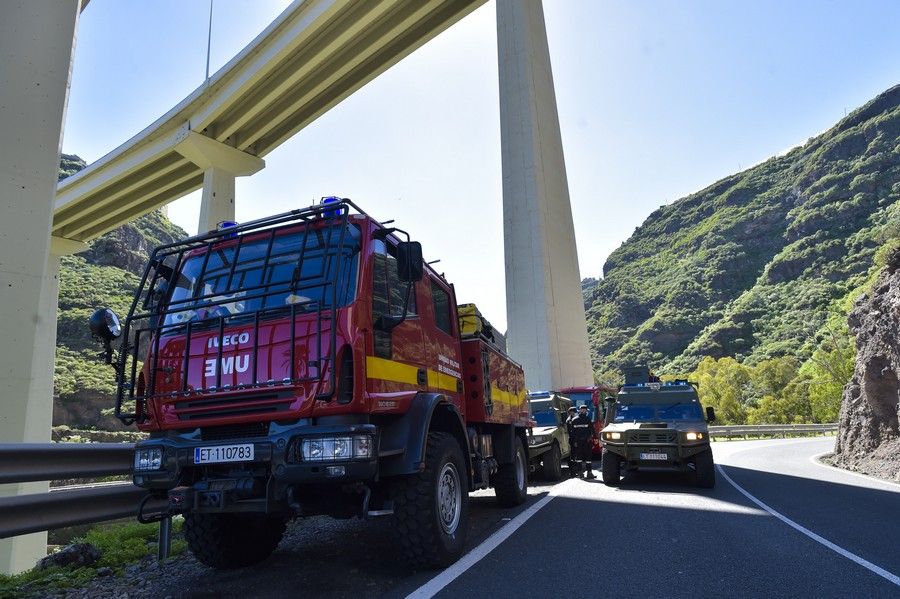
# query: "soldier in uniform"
(582, 434)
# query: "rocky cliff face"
(869, 434)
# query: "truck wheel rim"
(449, 498)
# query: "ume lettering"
(229, 365)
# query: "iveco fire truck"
(311, 363)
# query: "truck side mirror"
(409, 261)
(710, 414)
(105, 326)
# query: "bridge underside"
(313, 56)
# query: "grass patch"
(120, 545)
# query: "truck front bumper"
(675, 456)
(280, 460)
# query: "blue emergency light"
(224, 226)
(330, 200)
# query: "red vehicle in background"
(311, 363)
(593, 398)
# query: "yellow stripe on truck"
(398, 372)
(389, 370)
(442, 381)
(499, 395)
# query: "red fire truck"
(311, 363)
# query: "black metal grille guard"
(142, 309)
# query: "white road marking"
(893, 578)
(815, 460)
(436, 584)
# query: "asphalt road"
(654, 536)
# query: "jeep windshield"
(546, 417)
(638, 411)
(311, 269)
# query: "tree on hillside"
(720, 385)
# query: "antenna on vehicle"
(433, 262)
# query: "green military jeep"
(548, 440)
(655, 424)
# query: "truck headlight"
(694, 436)
(362, 446)
(612, 436)
(538, 439)
(147, 459)
(336, 448)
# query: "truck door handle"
(421, 377)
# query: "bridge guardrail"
(771, 430)
(61, 507)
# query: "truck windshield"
(267, 272)
(628, 411)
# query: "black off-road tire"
(705, 470)
(611, 465)
(227, 541)
(552, 464)
(417, 506)
(511, 480)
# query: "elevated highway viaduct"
(315, 54)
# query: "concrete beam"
(60, 246)
(217, 203)
(208, 153)
(221, 164)
(547, 330)
(36, 42)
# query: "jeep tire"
(610, 464)
(431, 508)
(552, 464)
(511, 480)
(227, 541)
(704, 470)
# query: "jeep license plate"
(223, 453)
(654, 456)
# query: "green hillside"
(751, 266)
(104, 275)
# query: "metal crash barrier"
(73, 505)
(747, 431)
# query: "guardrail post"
(165, 538)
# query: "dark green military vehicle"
(548, 440)
(655, 424)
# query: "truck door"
(441, 339)
(396, 363)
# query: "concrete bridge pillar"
(547, 332)
(36, 42)
(221, 164)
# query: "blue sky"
(657, 99)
